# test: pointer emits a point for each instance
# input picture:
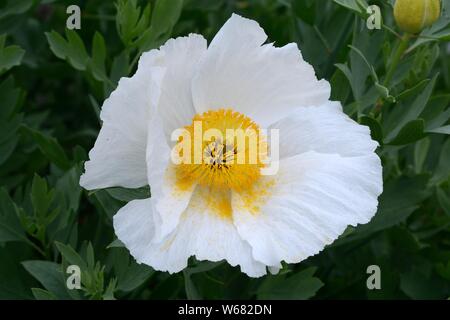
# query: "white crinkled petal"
(162, 81)
(200, 233)
(324, 129)
(239, 72)
(175, 104)
(118, 156)
(312, 200)
(169, 200)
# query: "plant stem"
(35, 247)
(401, 48)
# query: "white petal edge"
(169, 201)
(163, 82)
(200, 233)
(118, 155)
(260, 81)
(324, 129)
(175, 105)
(314, 198)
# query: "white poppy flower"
(329, 176)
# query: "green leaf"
(116, 244)
(441, 130)
(416, 285)
(106, 202)
(436, 114)
(50, 275)
(384, 92)
(10, 121)
(15, 7)
(398, 201)
(14, 280)
(406, 113)
(305, 10)
(10, 99)
(357, 6)
(131, 21)
(376, 132)
(98, 58)
(9, 56)
(411, 132)
(50, 147)
(41, 197)
(413, 90)
(41, 294)
(10, 227)
(164, 17)
(444, 200)
(300, 286)
(90, 259)
(119, 67)
(135, 276)
(72, 49)
(442, 171)
(68, 189)
(439, 31)
(127, 195)
(109, 291)
(71, 255)
(189, 286)
(95, 107)
(420, 154)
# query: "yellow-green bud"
(414, 15)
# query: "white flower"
(329, 175)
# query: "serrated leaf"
(131, 20)
(71, 49)
(50, 147)
(71, 256)
(164, 16)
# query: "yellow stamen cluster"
(224, 150)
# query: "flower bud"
(414, 15)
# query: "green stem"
(135, 60)
(35, 247)
(401, 48)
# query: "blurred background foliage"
(53, 82)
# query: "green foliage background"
(53, 82)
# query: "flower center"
(221, 149)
